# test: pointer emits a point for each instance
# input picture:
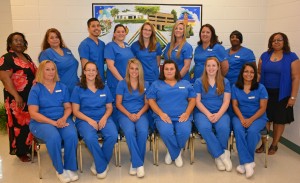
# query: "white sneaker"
(225, 157)
(73, 175)
(93, 169)
(241, 169)
(249, 167)
(168, 159)
(219, 164)
(140, 172)
(103, 174)
(132, 171)
(64, 177)
(178, 161)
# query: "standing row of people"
(148, 51)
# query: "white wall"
(284, 16)
(256, 19)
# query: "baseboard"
(294, 147)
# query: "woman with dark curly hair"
(17, 73)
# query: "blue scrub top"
(50, 105)
(211, 100)
(120, 56)
(91, 104)
(201, 55)
(67, 66)
(171, 100)
(250, 103)
(236, 62)
(133, 102)
(186, 53)
(148, 60)
(93, 52)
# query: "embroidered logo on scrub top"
(102, 95)
(68, 52)
(145, 89)
(127, 46)
(209, 49)
(57, 91)
(236, 56)
(251, 97)
(176, 50)
(181, 87)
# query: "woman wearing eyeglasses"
(17, 73)
(279, 71)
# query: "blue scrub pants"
(247, 138)
(174, 135)
(216, 142)
(101, 155)
(136, 137)
(53, 137)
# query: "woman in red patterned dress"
(17, 73)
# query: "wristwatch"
(293, 98)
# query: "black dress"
(18, 118)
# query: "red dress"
(18, 119)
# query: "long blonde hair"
(218, 78)
(141, 75)
(39, 77)
(173, 39)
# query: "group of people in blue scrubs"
(137, 96)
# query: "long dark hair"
(45, 43)
(240, 82)
(162, 72)
(214, 38)
(98, 81)
(10, 40)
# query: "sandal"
(24, 158)
(261, 149)
(272, 150)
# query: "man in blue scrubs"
(92, 48)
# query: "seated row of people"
(172, 101)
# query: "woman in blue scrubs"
(237, 56)
(92, 107)
(209, 46)
(132, 114)
(50, 111)
(172, 101)
(179, 50)
(117, 53)
(54, 49)
(249, 101)
(212, 101)
(148, 51)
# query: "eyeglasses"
(148, 30)
(277, 40)
(16, 41)
(248, 72)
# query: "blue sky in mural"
(195, 10)
(98, 8)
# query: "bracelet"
(293, 98)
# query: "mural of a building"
(160, 20)
(131, 15)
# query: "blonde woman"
(50, 110)
(212, 101)
(132, 114)
(179, 50)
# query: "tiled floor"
(282, 167)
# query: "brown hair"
(45, 43)
(286, 46)
(152, 44)
(98, 81)
(162, 72)
(219, 79)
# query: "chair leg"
(80, 156)
(156, 149)
(192, 148)
(119, 151)
(153, 148)
(39, 159)
(231, 141)
(32, 151)
(266, 151)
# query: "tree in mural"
(114, 12)
(147, 10)
(175, 15)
